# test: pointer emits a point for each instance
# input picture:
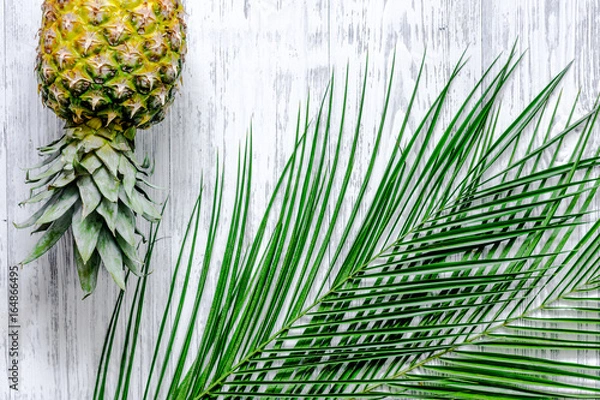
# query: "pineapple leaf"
(86, 230)
(150, 185)
(69, 154)
(87, 271)
(142, 206)
(64, 179)
(46, 162)
(65, 201)
(41, 228)
(49, 173)
(130, 257)
(125, 224)
(137, 208)
(107, 184)
(91, 163)
(44, 183)
(54, 147)
(129, 173)
(91, 143)
(109, 211)
(151, 213)
(111, 257)
(90, 195)
(109, 157)
(41, 196)
(54, 232)
(120, 144)
(141, 168)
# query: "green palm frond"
(464, 259)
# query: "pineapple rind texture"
(91, 182)
(118, 60)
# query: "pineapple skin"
(118, 60)
(107, 67)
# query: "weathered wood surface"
(249, 61)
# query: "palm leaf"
(466, 242)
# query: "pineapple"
(107, 67)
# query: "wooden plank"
(253, 61)
(544, 31)
(4, 226)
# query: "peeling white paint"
(250, 61)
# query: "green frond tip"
(91, 182)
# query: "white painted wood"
(251, 61)
(3, 198)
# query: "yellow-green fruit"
(107, 67)
(113, 59)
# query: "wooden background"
(249, 61)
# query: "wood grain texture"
(251, 62)
(3, 199)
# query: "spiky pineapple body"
(107, 67)
(118, 60)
